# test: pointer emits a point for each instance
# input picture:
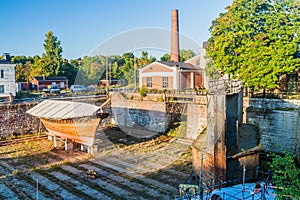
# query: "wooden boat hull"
(82, 131)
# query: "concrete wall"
(196, 120)
(215, 137)
(148, 115)
(14, 120)
(278, 122)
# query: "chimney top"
(6, 57)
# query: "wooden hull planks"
(82, 131)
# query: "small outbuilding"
(42, 82)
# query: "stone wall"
(15, 121)
(278, 122)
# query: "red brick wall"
(156, 67)
(198, 80)
(157, 82)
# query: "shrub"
(286, 175)
(160, 99)
(171, 99)
(143, 91)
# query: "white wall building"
(7, 77)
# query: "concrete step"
(141, 178)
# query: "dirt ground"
(117, 136)
(130, 169)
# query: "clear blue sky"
(81, 25)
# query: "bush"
(286, 175)
(171, 99)
(143, 91)
(160, 99)
(177, 129)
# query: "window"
(165, 82)
(2, 73)
(1, 88)
(62, 84)
(149, 82)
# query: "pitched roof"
(181, 65)
(5, 62)
(50, 78)
(51, 109)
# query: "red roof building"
(41, 82)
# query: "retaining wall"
(15, 121)
(196, 119)
(278, 122)
(142, 114)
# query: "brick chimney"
(6, 57)
(175, 53)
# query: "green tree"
(165, 57)
(115, 62)
(186, 54)
(23, 72)
(128, 69)
(145, 59)
(93, 68)
(127, 55)
(68, 70)
(286, 176)
(52, 59)
(211, 71)
(37, 68)
(115, 70)
(257, 41)
(18, 59)
(23, 68)
(76, 63)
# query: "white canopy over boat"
(53, 109)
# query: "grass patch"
(177, 129)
